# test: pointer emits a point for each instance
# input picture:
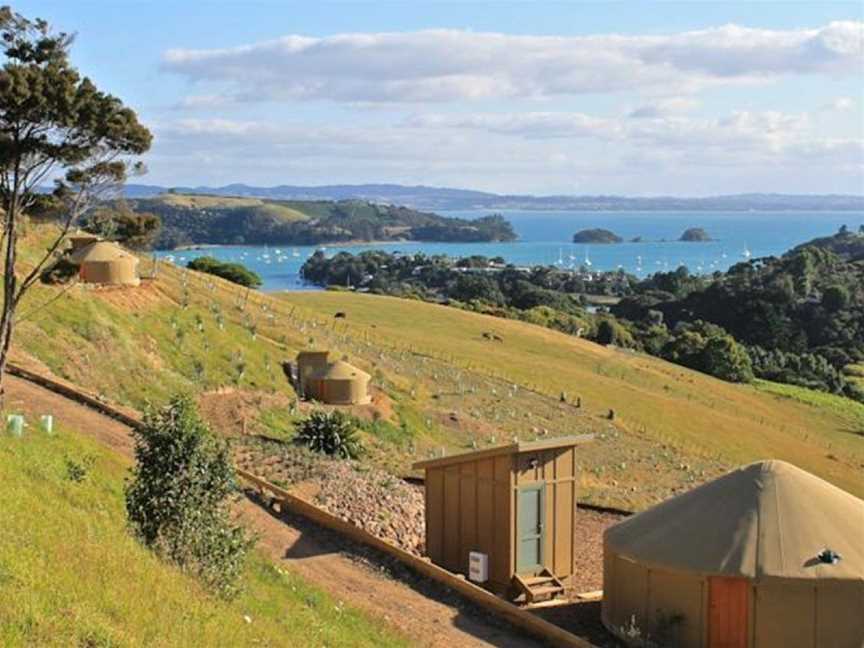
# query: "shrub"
(177, 499)
(234, 272)
(610, 331)
(330, 433)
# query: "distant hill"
(422, 197)
(189, 219)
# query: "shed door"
(530, 508)
(728, 612)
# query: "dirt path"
(431, 615)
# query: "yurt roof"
(100, 251)
(83, 236)
(340, 370)
(769, 518)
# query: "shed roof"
(768, 518)
(512, 448)
(340, 370)
(312, 353)
(101, 251)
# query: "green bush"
(330, 433)
(177, 499)
(234, 272)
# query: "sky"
(632, 98)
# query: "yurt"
(767, 556)
(339, 383)
(106, 263)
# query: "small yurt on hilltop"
(339, 383)
(106, 263)
(767, 556)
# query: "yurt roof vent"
(829, 557)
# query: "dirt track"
(430, 616)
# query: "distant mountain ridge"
(436, 198)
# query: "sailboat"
(746, 253)
(588, 263)
(560, 260)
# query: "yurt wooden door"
(728, 610)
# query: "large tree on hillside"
(54, 125)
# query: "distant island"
(597, 235)
(436, 198)
(695, 235)
(197, 219)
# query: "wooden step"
(531, 581)
(543, 591)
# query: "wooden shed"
(307, 363)
(511, 511)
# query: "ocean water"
(545, 239)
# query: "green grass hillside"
(443, 385)
(281, 211)
(666, 403)
(71, 575)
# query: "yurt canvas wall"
(736, 563)
(339, 383)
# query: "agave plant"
(330, 433)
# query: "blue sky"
(631, 98)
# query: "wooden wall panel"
(451, 518)
(564, 506)
(468, 505)
(435, 514)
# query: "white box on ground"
(478, 567)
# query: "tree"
(234, 272)
(117, 222)
(727, 360)
(177, 499)
(53, 124)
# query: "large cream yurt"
(106, 263)
(339, 383)
(767, 556)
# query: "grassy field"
(442, 386)
(71, 575)
(267, 208)
(668, 404)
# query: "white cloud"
(665, 107)
(450, 65)
(840, 104)
(520, 152)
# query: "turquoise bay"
(545, 239)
